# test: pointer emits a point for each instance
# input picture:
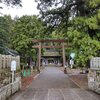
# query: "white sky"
(29, 8)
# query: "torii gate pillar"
(39, 57)
(63, 54)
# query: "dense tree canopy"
(25, 30)
(60, 12)
(79, 20)
(11, 2)
(18, 34)
(5, 30)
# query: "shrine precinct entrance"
(58, 44)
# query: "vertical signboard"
(13, 69)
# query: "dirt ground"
(80, 79)
(26, 81)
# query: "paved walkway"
(53, 84)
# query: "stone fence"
(5, 61)
(94, 75)
(8, 90)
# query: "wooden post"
(64, 58)
(9, 61)
(39, 58)
(0, 61)
(4, 61)
(63, 54)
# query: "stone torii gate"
(40, 47)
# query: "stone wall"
(94, 80)
(10, 89)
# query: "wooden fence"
(5, 61)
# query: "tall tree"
(5, 30)
(25, 30)
(58, 13)
(79, 20)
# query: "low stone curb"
(8, 90)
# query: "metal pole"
(13, 76)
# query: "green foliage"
(5, 30)
(25, 30)
(88, 48)
(84, 46)
(55, 35)
(92, 3)
(59, 13)
(92, 22)
(79, 20)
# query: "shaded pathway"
(53, 84)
